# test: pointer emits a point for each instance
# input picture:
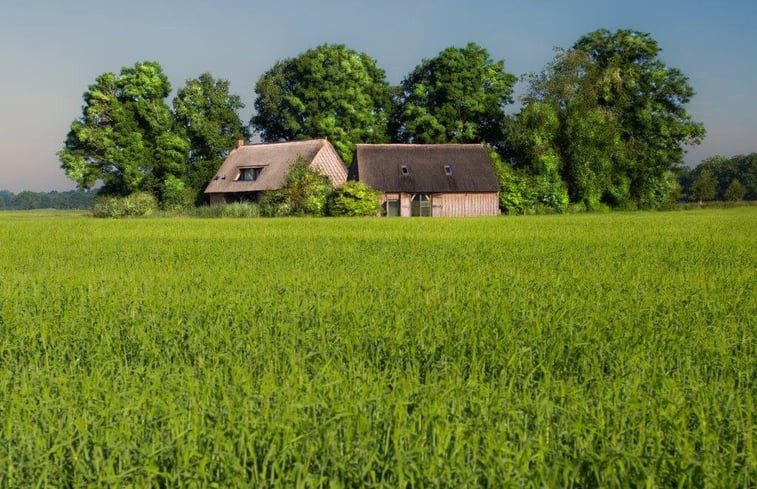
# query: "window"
(403, 169)
(448, 170)
(249, 174)
(392, 207)
(421, 205)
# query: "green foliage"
(705, 186)
(273, 204)
(457, 97)
(304, 193)
(25, 200)
(206, 115)
(136, 204)
(735, 191)
(516, 194)
(612, 117)
(175, 195)
(328, 92)
(608, 351)
(742, 168)
(124, 136)
(353, 199)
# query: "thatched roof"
(424, 168)
(275, 160)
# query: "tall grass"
(551, 351)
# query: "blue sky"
(50, 51)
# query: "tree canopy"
(328, 92)
(124, 136)
(206, 116)
(456, 97)
(611, 118)
(737, 173)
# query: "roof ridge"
(285, 142)
(420, 145)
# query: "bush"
(353, 199)
(304, 193)
(133, 205)
(516, 195)
(175, 195)
(274, 204)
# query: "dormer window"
(403, 169)
(448, 170)
(249, 174)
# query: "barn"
(429, 179)
(251, 169)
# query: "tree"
(206, 116)
(124, 136)
(621, 120)
(649, 102)
(705, 186)
(6, 197)
(29, 200)
(725, 170)
(735, 191)
(304, 193)
(457, 97)
(328, 92)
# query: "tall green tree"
(563, 134)
(622, 120)
(328, 92)
(705, 186)
(124, 136)
(649, 100)
(735, 191)
(206, 116)
(458, 96)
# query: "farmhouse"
(429, 179)
(252, 169)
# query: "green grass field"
(615, 350)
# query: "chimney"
(240, 143)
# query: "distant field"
(615, 350)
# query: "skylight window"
(448, 170)
(403, 169)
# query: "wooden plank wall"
(466, 204)
(452, 205)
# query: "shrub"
(132, 205)
(353, 199)
(274, 204)
(516, 195)
(175, 195)
(304, 193)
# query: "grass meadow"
(606, 350)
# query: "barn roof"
(274, 159)
(424, 168)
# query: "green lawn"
(606, 350)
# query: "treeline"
(720, 178)
(603, 125)
(26, 200)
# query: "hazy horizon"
(52, 51)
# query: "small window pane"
(392, 208)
